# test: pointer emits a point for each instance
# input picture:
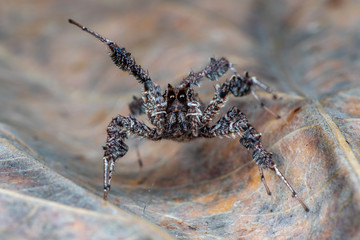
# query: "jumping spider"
(178, 114)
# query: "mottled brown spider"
(178, 114)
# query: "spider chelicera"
(177, 113)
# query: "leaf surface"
(59, 90)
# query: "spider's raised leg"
(235, 122)
(120, 56)
(242, 85)
(117, 131)
(153, 101)
(213, 71)
(238, 86)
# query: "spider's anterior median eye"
(182, 97)
(171, 97)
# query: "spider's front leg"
(117, 131)
(239, 86)
(213, 71)
(243, 85)
(119, 56)
(235, 123)
(152, 98)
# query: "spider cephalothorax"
(177, 114)
(177, 99)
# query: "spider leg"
(263, 105)
(235, 122)
(117, 131)
(294, 194)
(120, 56)
(217, 102)
(153, 101)
(243, 85)
(109, 164)
(213, 71)
(263, 180)
(239, 86)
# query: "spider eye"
(171, 97)
(182, 98)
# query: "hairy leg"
(213, 71)
(243, 85)
(235, 122)
(239, 86)
(117, 131)
(120, 56)
(154, 103)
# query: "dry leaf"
(59, 90)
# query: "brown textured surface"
(59, 90)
